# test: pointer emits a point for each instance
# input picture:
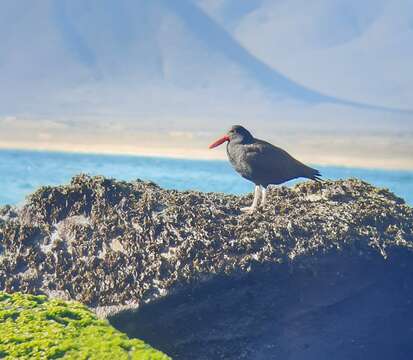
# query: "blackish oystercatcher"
(261, 162)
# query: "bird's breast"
(237, 158)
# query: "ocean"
(22, 172)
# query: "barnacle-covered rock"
(116, 245)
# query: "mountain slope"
(355, 50)
(128, 57)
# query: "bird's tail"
(313, 174)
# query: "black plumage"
(261, 162)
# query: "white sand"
(368, 150)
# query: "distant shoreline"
(208, 155)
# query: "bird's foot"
(249, 209)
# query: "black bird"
(261, 162)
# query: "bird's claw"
(249, 209)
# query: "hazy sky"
(187, 69)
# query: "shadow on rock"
(343, 307)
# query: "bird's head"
(237, 134)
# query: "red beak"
(219, 141)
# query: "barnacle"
(106, 242)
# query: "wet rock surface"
(323, 271)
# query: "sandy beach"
(383, 148)
(366, 152)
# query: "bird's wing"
(273, 162)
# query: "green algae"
(34, 327)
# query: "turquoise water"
(21, 172)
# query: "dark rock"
(344, 307)
(324, 271)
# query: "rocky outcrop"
(323, 270)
